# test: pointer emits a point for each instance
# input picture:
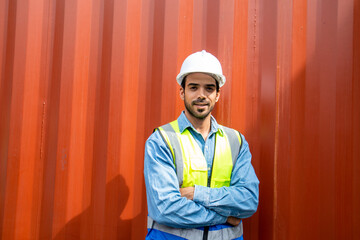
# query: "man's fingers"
(187, 192)
(233, 221)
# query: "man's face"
(199, 95)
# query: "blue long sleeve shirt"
(210, 206)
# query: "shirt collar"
(184, 123)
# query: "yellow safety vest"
(190, 162)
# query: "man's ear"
(217, 96)
(182, 93)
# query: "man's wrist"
(202, 195)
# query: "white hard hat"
(202, 62)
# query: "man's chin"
(201, 115)
(198, 113)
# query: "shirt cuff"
(219, 220)
(202, 195)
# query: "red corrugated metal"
(83, 83)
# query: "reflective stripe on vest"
(191, 233)
(191, 169)
(218, 232)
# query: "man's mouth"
(200, 104)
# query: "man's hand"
(187, 192)
(233, 221)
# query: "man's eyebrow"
(207, 85)
(193, 84)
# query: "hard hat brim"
(218, 77)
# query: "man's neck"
(203, 126)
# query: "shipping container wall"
(84, 82)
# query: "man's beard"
(196, 114)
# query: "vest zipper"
(206, 229)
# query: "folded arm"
(165, 203)
(240, 199)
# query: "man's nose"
(201, 93)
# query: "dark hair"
(184, 81)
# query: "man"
(198, 174)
